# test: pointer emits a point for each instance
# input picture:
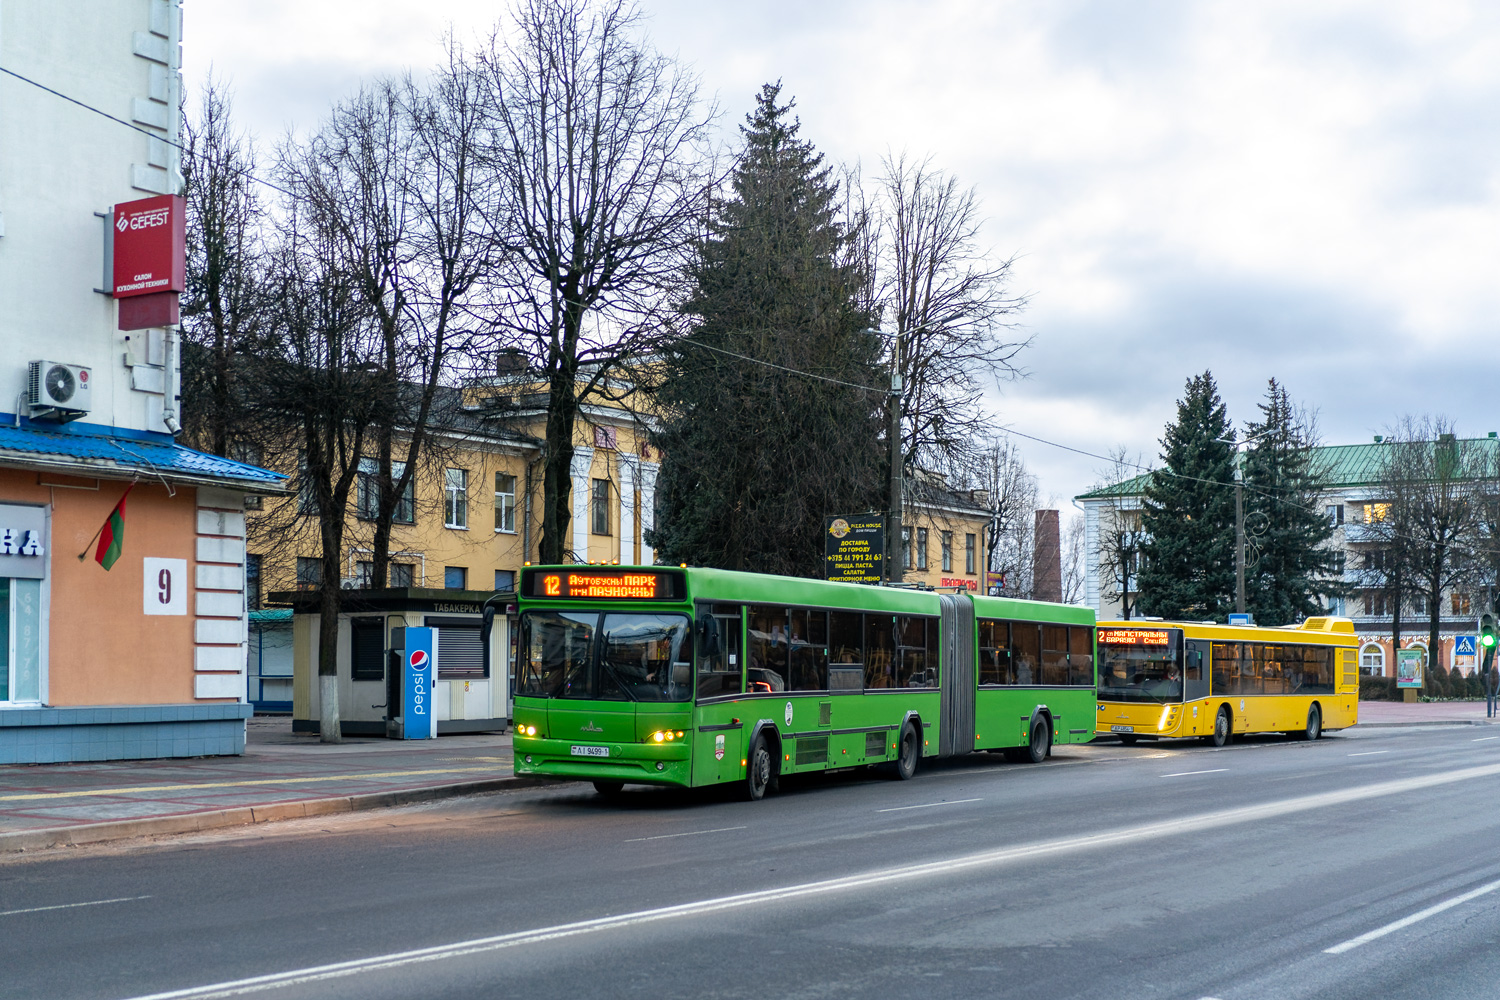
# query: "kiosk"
(467, 695)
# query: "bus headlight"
(664, 735)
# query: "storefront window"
(20, 639)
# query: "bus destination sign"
(1133, 637)
(600, 584)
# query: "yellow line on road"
(237, 784)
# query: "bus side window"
(720, 674)
(879, 651)
(846, 641)
(1081, 656)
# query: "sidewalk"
(280, 776)
(1422, 713)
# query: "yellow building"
(472, 514)
(946, 533)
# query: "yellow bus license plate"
(1113, 729)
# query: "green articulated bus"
(691, 677)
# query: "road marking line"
(82, 793)
(70, 906)
(1420, 915)
(1367, 753)
(927, 805)
(1483, 739)
(1180, 774)
(695, 833)
(1148, 832)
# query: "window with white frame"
(947, 540)
(970, 548)
(456, 498)
(1372, 659)
(921, 548)
(601, 507)
(505, 502)
(367, 492)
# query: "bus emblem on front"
(591, 728)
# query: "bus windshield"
(606, 657)
(1139, 673)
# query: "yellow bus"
(1161, 680)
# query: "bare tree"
(320, 391)
(1429, 519)
(949, 305)
(1074, 553)
(223, 305)
(599, 151)
(1122, 536)
(995, 469)
(395, 175)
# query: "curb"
(1423, 722)
(214, 819)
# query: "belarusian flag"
(112, 535)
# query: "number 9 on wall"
(165, 587)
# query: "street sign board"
(420, 669)
(1408, 668)
(1465, 645)
(854, 548)
(1241, 619)
(150, 246)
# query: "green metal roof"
(1349, 466)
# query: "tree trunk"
(329, 727)
(557, 468)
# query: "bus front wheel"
(906, 758)
(1220, 734)
(758, 770)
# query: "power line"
(135, 127)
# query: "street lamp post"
(895, 548)
(1239, 520)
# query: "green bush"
(1378, 689)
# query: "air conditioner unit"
(59, 392)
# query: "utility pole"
(895, 550)
(1239, 535)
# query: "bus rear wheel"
(758, 777)
(1220, 735)
(1314, 724)
(1037, 747)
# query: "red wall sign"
(150, 250)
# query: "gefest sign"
(150, 246)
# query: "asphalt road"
(1366, 865)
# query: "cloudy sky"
(1302, 189)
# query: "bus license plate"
(1113, 729)
(589, 751)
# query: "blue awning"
(116, 453)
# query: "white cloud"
(1292, 188)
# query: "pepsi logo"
(418, 659)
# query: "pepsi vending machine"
(414, 652)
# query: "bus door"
(719, 730)
(1195, 683)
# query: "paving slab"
(281, 775)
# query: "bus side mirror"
(708, 637)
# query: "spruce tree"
(1188, 512)
(770, 425)
(1286, 526)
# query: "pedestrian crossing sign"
(1465, 645)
